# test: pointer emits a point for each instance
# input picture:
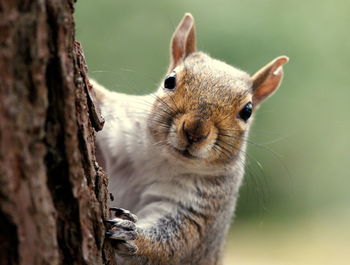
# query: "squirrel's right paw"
(123, 231)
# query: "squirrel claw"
(123, 232)
(122, 227)
(124, 214)
(121, 235)
(118, 223)
(126, 248)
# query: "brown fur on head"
(197, 114)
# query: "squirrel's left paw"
(123, 214)
(123, 231)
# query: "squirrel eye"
(170, 81)
(246, 112)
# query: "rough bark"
(52, 192)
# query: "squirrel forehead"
(204, 72)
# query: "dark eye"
(246, 112)
(170, 81)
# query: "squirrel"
(175, 158)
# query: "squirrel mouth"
(184, 153)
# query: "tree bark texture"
(53, 195)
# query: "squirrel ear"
(183, 41)
(267, 79)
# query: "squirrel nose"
(195, 130)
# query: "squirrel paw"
(123, 231)
(123, 214)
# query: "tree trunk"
(53, 195)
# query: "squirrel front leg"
(167, 240)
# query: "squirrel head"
(203, 108)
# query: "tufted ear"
(183, 41)
(267, 79)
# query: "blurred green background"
(295, 203)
